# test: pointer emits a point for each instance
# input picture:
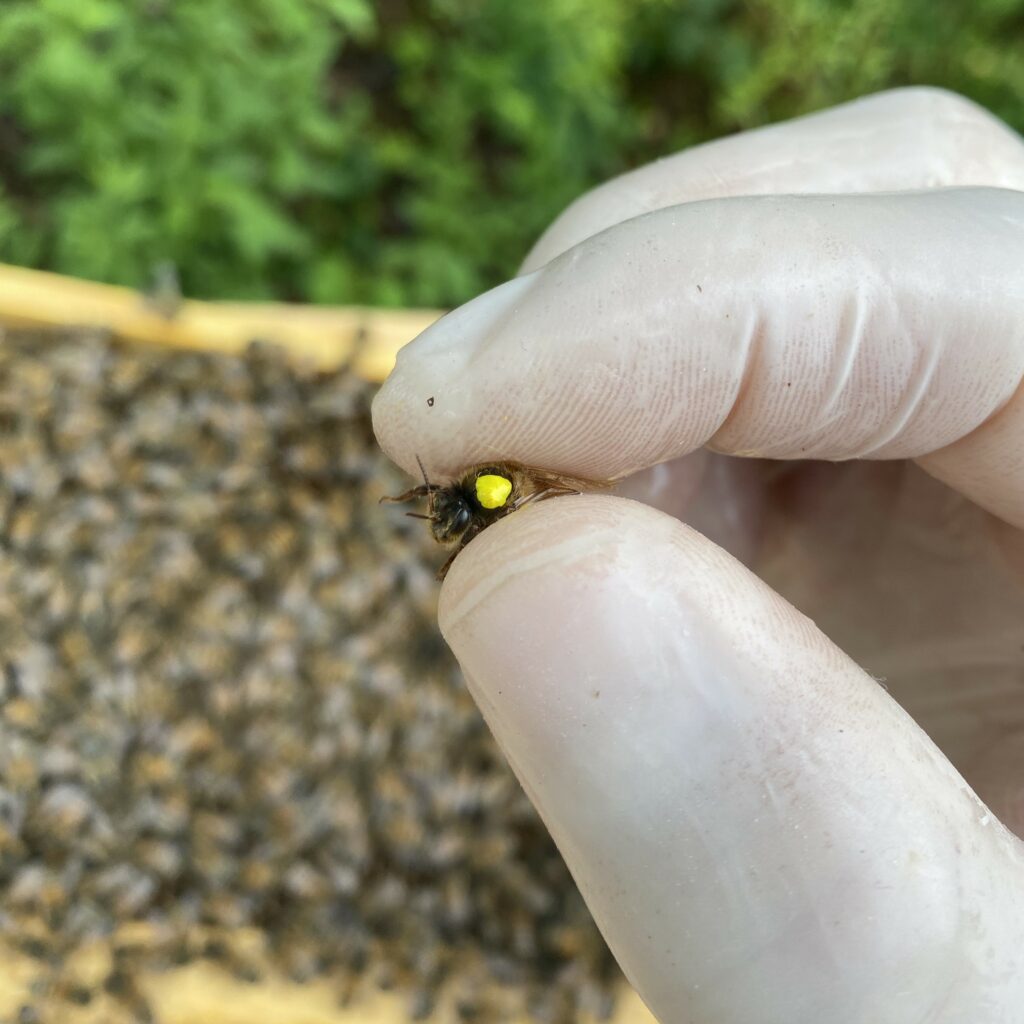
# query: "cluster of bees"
(229, 729)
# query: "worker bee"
(459, 510)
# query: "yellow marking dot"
(492, 491)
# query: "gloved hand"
(761, 831)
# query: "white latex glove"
(762, 833)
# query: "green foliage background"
(406, 152)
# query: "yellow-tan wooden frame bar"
(324, 335)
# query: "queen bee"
(459, 510)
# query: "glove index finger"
(789, 327)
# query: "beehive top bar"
(326, 336)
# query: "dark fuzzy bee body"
(459, 510)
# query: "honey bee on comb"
(459, 510)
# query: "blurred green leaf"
(408, 154)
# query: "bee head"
(451, 515)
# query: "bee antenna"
(423, 471)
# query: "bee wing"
(544, 480)
(544, 484)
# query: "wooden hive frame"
(328, 337)
(324, 335)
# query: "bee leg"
(412, 494)
(463, 541)
(443, 571)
